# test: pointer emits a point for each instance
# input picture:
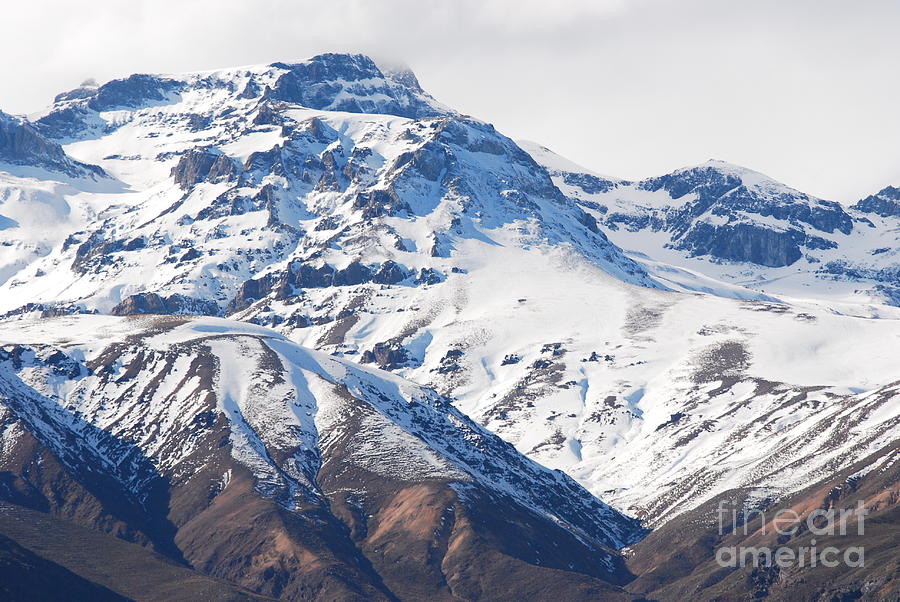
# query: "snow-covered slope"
(158, 405)
(36, 179)
(654, 400)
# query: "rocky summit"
(300, 331)
(744, 228)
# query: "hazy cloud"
(802, 90)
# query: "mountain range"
(304, 332)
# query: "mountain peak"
(335, 66)
(355, 67)
(884, 203)
(738, 175)
(400, 73)
(351, 83)
(355, 84)
(725, 168)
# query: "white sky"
(803, 90)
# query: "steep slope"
(284, 470)
(884, 203)
(879, 260)
(658, 401)
(678, 560)
(729, 230)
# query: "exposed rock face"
(132, 92)
(308, 275)
(715, 220)
(203, 165)
(287, 472)
(715, 210)
(151, 303)
(885, 203)
(378, 203)
(22, 144)
(352, 83)
(708, 183)
(588, 182)
(94, 253)
(742, 242)
(389, 355)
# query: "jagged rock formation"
(724, 212)
(22, 144)
(884, 203)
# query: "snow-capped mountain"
(740, 342)
(743, 231)
(165, 425)
(232, 188)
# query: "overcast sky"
(805, 91)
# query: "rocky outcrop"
(588, 182)
(95, 252)
(303, 275)
(379, 203)
(152, 303)
(352, 83)
(743, 242)
(885, 203)
(844, 270)
(203, 165)
(22, 144)
(388, 355)
(132, 92)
